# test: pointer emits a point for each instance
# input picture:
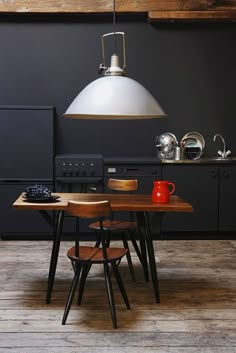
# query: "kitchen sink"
(219, 159)
(201, 160)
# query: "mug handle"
(173, 188)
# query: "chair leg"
(126, 246)
(110, 294)
(71, 294)
(108, 238)
(76, 243)
(98, 236)
(83, 277)
(73, 266)
(120, 284)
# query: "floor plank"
(197, 312)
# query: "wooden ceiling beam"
(156, 9)
(157, 16)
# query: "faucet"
(224, 154)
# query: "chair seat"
(114, 225)
(95, 254)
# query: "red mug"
(161, 192)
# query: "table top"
(119, 202)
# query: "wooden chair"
(83, 257)
(122, 226)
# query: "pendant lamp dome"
(114, 96)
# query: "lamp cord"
(114, 24)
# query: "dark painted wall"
(189, 68)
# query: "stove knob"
(70, 170)
(83, 170)
(76, 170)
(92, 170)
(64, 169)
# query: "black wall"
(189, 68)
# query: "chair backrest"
(123, 184)
(98, 209)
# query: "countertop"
(155, 160)
(210, 160)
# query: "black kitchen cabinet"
(209, 187)
(227, 197)
(26, 143)
(199, 186)
(19, 223)
(26, 158)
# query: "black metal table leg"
(151, 256)
(47, 217)
(141, 230)
(54, 255)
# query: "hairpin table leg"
(54, 255)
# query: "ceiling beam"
(157, 10)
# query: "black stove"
(79, 172)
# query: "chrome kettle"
(166, 144)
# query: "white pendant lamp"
(114, 96)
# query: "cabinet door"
(227, 197)
(199, 186)
(27, 144)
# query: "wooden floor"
(197, 312)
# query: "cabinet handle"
(225, 174)
(213, 173)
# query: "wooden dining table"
(141, 204)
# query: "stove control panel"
(132, 170)
(78, 166)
